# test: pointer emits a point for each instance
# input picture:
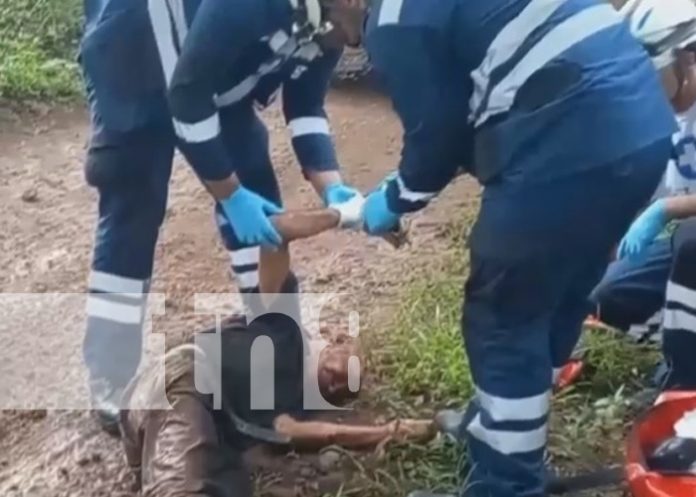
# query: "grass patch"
(38, 41)
(26, 72)
(421, 366)
(421, 356)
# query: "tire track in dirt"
(46, 230)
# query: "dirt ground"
(46, 230)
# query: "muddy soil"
(46, 234)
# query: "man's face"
(347, 17)
(685, 73)
(333, 372)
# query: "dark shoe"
(106, 405)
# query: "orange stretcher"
(648, 432)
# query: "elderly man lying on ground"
(194, 449)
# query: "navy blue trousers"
(131, 173)
(537, 251)
(656, 294)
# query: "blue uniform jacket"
(151, 63)
(528, 90)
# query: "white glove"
(351, 212)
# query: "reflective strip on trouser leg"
(524, 259)
(131, 172)
(245, 266)
(679, 315)
(679, 336)
(246, 139)
(244, 260)
(511, 426)
(506, 453)
(115, 310)
(506, 335)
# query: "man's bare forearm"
(314, 435)
(291, 225)
(680, 207)
(294, 225)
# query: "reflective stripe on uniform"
(199, 132)
(409, 195)
(490, 100)
(678, 319)
(507, 441)
(521, 409)
(302, 126)
(178, 15)
(681, 294)
(104, 306)
(111, 283)
(246, 256)
(506, 42)
(162, 24)
(390, 12)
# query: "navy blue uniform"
(653, 297)
(186, 74)
(556, 109)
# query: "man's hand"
(338, 196)
(644, 230)
(348, 202)
(350, 211)
(248, 214)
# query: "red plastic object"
(569, 374)
(649, 431)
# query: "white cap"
(662, 26)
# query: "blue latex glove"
(338, 193)
(643, 231)
(248, 214)
(377, 217)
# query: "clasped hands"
(249, 213)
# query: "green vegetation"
(38, 40)
(421, 366)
